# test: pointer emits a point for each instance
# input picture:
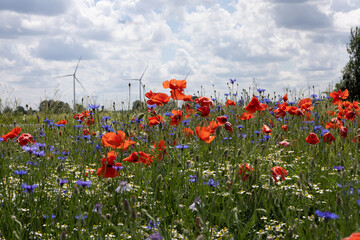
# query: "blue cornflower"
(313, 95)
(240, 126)
(63, 181)
(97, 208)
(29, 188)
(339, 168)
(117, 168)
(39, 153)
(260, 90)
(156, 236)
(326, 215)
(20, 172)
(52, 216)
(192, 178)
(151, 106)
(168, 114)
(86, 137)
(103, 119)
(226, 94)
(94, 106)
(358, 202)
(153, 224)
(83, 183)
(182, 146)
(232, 81)
(212, 183)
(213, 99)
(77, 126)
(81, 217)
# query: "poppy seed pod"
(126, 206)
(133, 214)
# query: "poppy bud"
(339, 201)
(126, 206)
(60, 133)
(133, 199)
(108, 216)
(198, 223)
(63, 235)
(133, 214)
(159, 178)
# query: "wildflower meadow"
(257, 167)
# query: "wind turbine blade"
(77, 65)
(69, 75)
(187, 74)
(131, 79)
(143, 73)
(79, 83)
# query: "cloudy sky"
(281, 43)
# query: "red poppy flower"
(254, 105)
(213, 126)
(279, 173)
(221, 120)
(328, 138)
(107, 170)
(204, 134)
(177, 87)
(116, 140)
(337, 96)
(25, 138)
(266, 129)
(62, 122)
(296, 111)
(353, 236)
(159, 148)
(246, 116)
(244, 171)
(284, 127)
(285, 98)
(285, 143)
(155, 120)
(86, 132)
(334, 123)
(12, 134)
(179, 95)
(343, 131)
(174, 84)
(137, 157)
(157, 98)
(350, 115)
(176, 118)
(205, 111)
(204, 102)
(312, 139)
(228, 127)
(82, 115)
(230, 103)
(188, 132)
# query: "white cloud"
(277, 43)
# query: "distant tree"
(351, 72)
(7, 110)
(137, 105)
(79, 108)
(20, 110)
(52, 106)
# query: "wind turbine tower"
(74, 78)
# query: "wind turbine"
(74, 78)
(139, 80)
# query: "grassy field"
(216, 180)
